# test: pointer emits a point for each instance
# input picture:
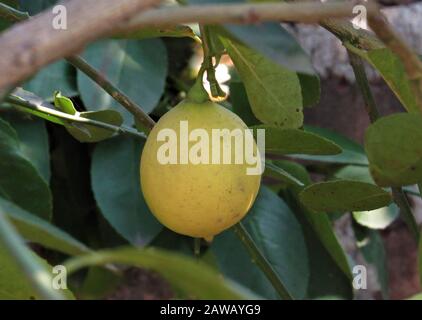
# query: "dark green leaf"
(34, 7)
(138, 68)
(195, 278)
(19, 180)
(278, 235)
(394, 148)
(59, 76)
(116, 186)
(344, 195)
(39, 231)
(274, 171)
(33, 138)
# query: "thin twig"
(406, 212)
(40, 279)
(15, 101)
(261, 261)
(363, 84)
(113, 91)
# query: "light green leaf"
(138, 68)
(64, 104)
(394, 148)
(344, 195)
(279, 236)
(116, 185)
(193, 277)
(39, 231)
(295, 141)
(353, 153)
(374, 219)
(377, 219)
(273, 92)
(392, 70)
(19, 180)
(14, 285)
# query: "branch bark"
(242, 14)
(32, 44)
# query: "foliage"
(69, 167)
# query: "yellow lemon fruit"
(186, 193)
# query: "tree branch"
(241, 14)
(28, 46)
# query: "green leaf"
(35, 100)
(64, 104)
(57, 76)
(295, 141)
(344, 195)
(330, 271)
(273, 92)
(353, 153)
(179, 31)
(33, 138)
(116, 185)
(88, 133)
(374, 219)
(275, 43)
(274, 171)
(14, 285)
(19, 180)
(394, 148)
(39, 231)
(370, 244)
(240, 103)
(85, 132)
(138, 68)
(392, 70)
(193, 277)
(279, 236)
(377, 219)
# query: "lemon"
(190, 196)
